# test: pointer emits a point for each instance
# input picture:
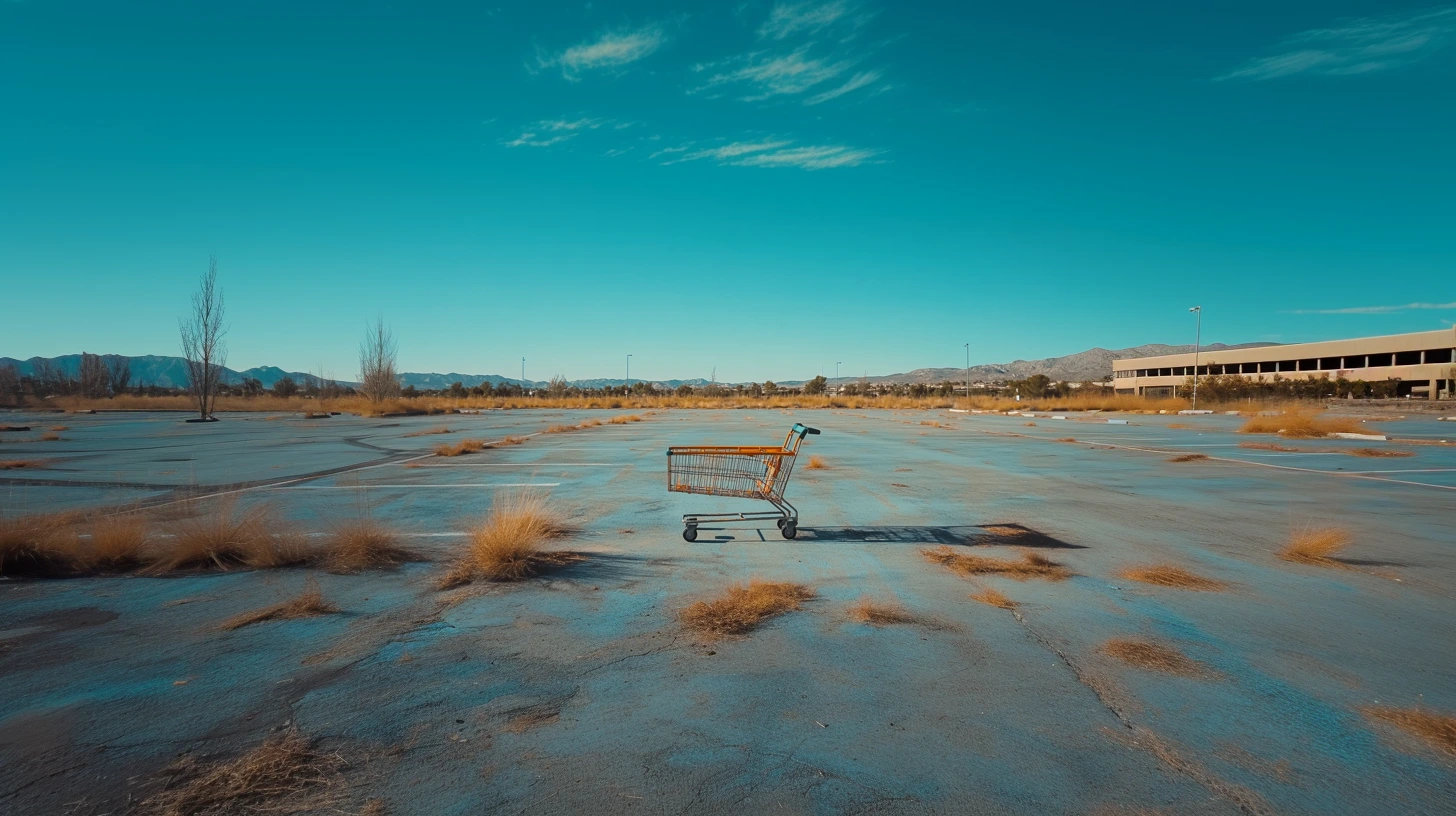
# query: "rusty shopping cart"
(745, 472)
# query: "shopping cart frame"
(739, 471)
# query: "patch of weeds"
(816, 463)
(429, 432)
(1190, 457)
(1031, 565)
(991, 597)
(875, 613)
(286, 774)
(361, 544)
(1379, 453)
(307, 604)
(508, 544)
(1439, 730)
(742, 607)
(1316, 546)
(1150, 656)
(1170, 575)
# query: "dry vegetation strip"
(1190, 457)
(1435, 728)
(816, 463)
(1269, 446)
(307, 604)
(22, 464)
(462, 447)
(228, 537)
(1298, 425)
(623, 420)
(876, 613)
(362, 544)
(508, 544)
(991, 597)
(1316, 546)
(1030, 565)
(1379, 453)
(1170, 575)
(430, 432)
(1152, 656)
(286, 774)
(742, 607)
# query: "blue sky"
(760, 188)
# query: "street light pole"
(629, 374)
(523, 376)
(1197, 344)
(836, 371)
(968, 373)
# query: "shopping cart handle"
(801, 430)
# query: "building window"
(1377, 360)
(1408, 358)
(1328, 363)
(1438, 355)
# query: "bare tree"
(118, 374)
(95, 381)
(45, 379)
(378, 379)
(202, 343)
(11, 391)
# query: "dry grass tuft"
(1152, 656)
(1379, 453)
(307, 604)
(1316, 546)
(362, 544)
(816, 463)
(1029, 424)
(993, 598)
(879, 614)
(590, 423)
(1190, 457)
(1031, 565)
(1269, 446)
(1170, 575)
(1067, 439)
(1296, 425)
(508, 441)
(1177, 425)
(744, 606)
(227, 537)
(40, 544)
(22, 464)
(623, 420)
(1437, 729)
(430, 432)
(507, 545)
(284, 775)
(461, 447)
(562, 429)
(118, 542)
(50, 437)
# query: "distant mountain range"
(1094, 364)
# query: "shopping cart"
(745, 472)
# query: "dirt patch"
(1379, 453)
(284, 775)
(1170, 575)
(1150, 656)
(1190, 457)
(1030, 565)
(1436, 729)
(991, 597)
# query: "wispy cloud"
(609, 50)
(789, 19)
(550, 132)
(1409, 307)
(775, 153)
(768, 75)
(855, 82)
(1356, 46)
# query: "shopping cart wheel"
(790, 529)
(690, 533)
(780, 522)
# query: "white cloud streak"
(776, 153)
(550, 132)
(770, 75)
(855, 82)
(788, 19)
(610, 50)
(1409, 307)
(1356, 46)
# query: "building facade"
(1422, 364)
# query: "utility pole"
(968, 373)
(523, 376)
(1197, 343)
(836, 371)
(629, 374)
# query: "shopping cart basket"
(745, 472)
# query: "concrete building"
(1421, 363)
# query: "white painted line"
(407, 486)
(523, 465)
(1414, 470)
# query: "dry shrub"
(1190, 457)
(1297, 425)
(1177, 425)
(1437, 729)
(1005, 530)
(879, 614)
(40, 544)
(1029, 424)
(1269, 446)
(1377, 453)
(931, 423)
(1170, 575)
(50, 437)
(1031, 565)
(361, 544)
(561, 429)
(227, 537)
(22, 464)
(816, 463)
(118, 542)
(623, 420)
(744, 606)
(590, 423)
(1152, 656)
(506, 546)
(284, 775)
(60, 428)
(430, 432)
(463, 446)
(1067, 439)
(306, 604)
(1316, 546)
(993, 598)
(507, 442)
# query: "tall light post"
(836, 371)
(1197, 343)
(968, 373)
(523, 376)
(629, 374)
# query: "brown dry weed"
(1031, 565)
(1151, 656)
(876, 613)
(1316, 546)
(1190, 457)
(1171, 575)
(742, 607)
(286, 774)
(306, 604)
(1435, 728)
(991, 597)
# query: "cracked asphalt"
(580, 692)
